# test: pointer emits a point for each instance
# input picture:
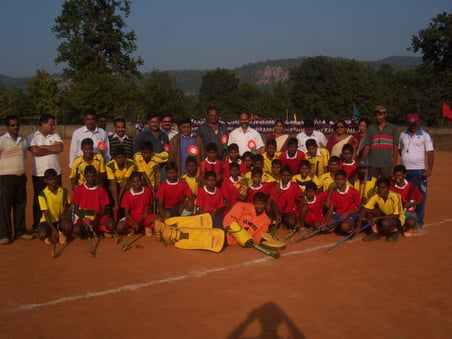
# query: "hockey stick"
(54, 244)
(318, 230)
(291, 233)
(274, 254)
(348, 237)
(125, 245)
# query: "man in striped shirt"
(120, 138)
(381, 145)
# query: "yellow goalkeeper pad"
(191, 238)
(200, 220)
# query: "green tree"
(220, 89)
(3, 100)
(19, 104)
(44, 94)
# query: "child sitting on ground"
(364, 183)
(313, 205)
(148, 163)
(257, 185)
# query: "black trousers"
(13, 198)
(38, 185)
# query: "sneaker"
(61, 237)
(392, 237)
(26, 237)
(148, 231)
(4, 241)
(372, 237)
(47, 241)
(408, 233)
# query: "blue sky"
(203, 34)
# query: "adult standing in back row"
(380, 145)
(247, 138)
(212, 130)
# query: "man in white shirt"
(90, 130)
(309, 132)
(415, 145)
(45, 147)
(247, 138)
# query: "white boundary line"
(196, 274)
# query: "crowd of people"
(294, 177)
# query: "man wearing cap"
(414, 145)
(380, 145)
(247, 138)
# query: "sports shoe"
(148, 231)
(372, 237)
(61, 237)
(5, 241)
(408, 233)
(26, 237)
(47, 241)
(392, 237)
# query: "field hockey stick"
(125, 245)
(90, 232)
(275, 228)
(291, 233)
(348, 237)
(318, 230)
(54, 243)
(274, 254)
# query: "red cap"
(412, 118)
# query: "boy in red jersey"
(345, 204)
(292, 157)
(411, 197)
(232, 156)
(174, 196)
(348, 164)
(92, 197)
(137, 205)
(211, 163)
(210, 199)
(286, 200)
(231, 187)
(312, 210)
(257, 185)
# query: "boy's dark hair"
(50, 173)
(87, 142)
(287, 169)
(119, 150)
(348, 147)
(89, 111)
(400, 168)
(308, 123)
(334, 159)
(310, 185)
(292, 141)
(340, 173)
(190, 160)
(146, 146)
(234, 165)
(277, 162)
(171, 165)
(233, 147)
(384, 181)
(258, 157)
(210, 174)
(90, 169)
(136, 174)
(271, 142)
(305, 163)
(259, 196)
(211, 146)
(256, 170)
(184, 121)
(248, 154)
(311, 143)
(44, 118)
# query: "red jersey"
(230, 191)
(209, 201)
(226, 164)
(293, 162)
(345, 201)
(173, 194)
(405, 190)
(93, 198)
(207, 165)
(315, 208)
(137, 202)
(265, 187)
(351, 169)
(286, 197)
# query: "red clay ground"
(372, 290)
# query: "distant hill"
(263, 73)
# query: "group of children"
(302, 190)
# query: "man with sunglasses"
(381, 145)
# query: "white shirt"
(316, 135)
(42, 163)
(98, 135)
(413, 148)
(241, 138)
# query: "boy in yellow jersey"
(275, 175)
(327, 179)
(270, 154)
(119, 170)
(364, 183)
(258, 162)
(54, 202)
(87, 158)
(385, 210)
(191, 177)
(148, 163)
(306, 176)
(317, 156)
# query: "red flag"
(447, 112)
